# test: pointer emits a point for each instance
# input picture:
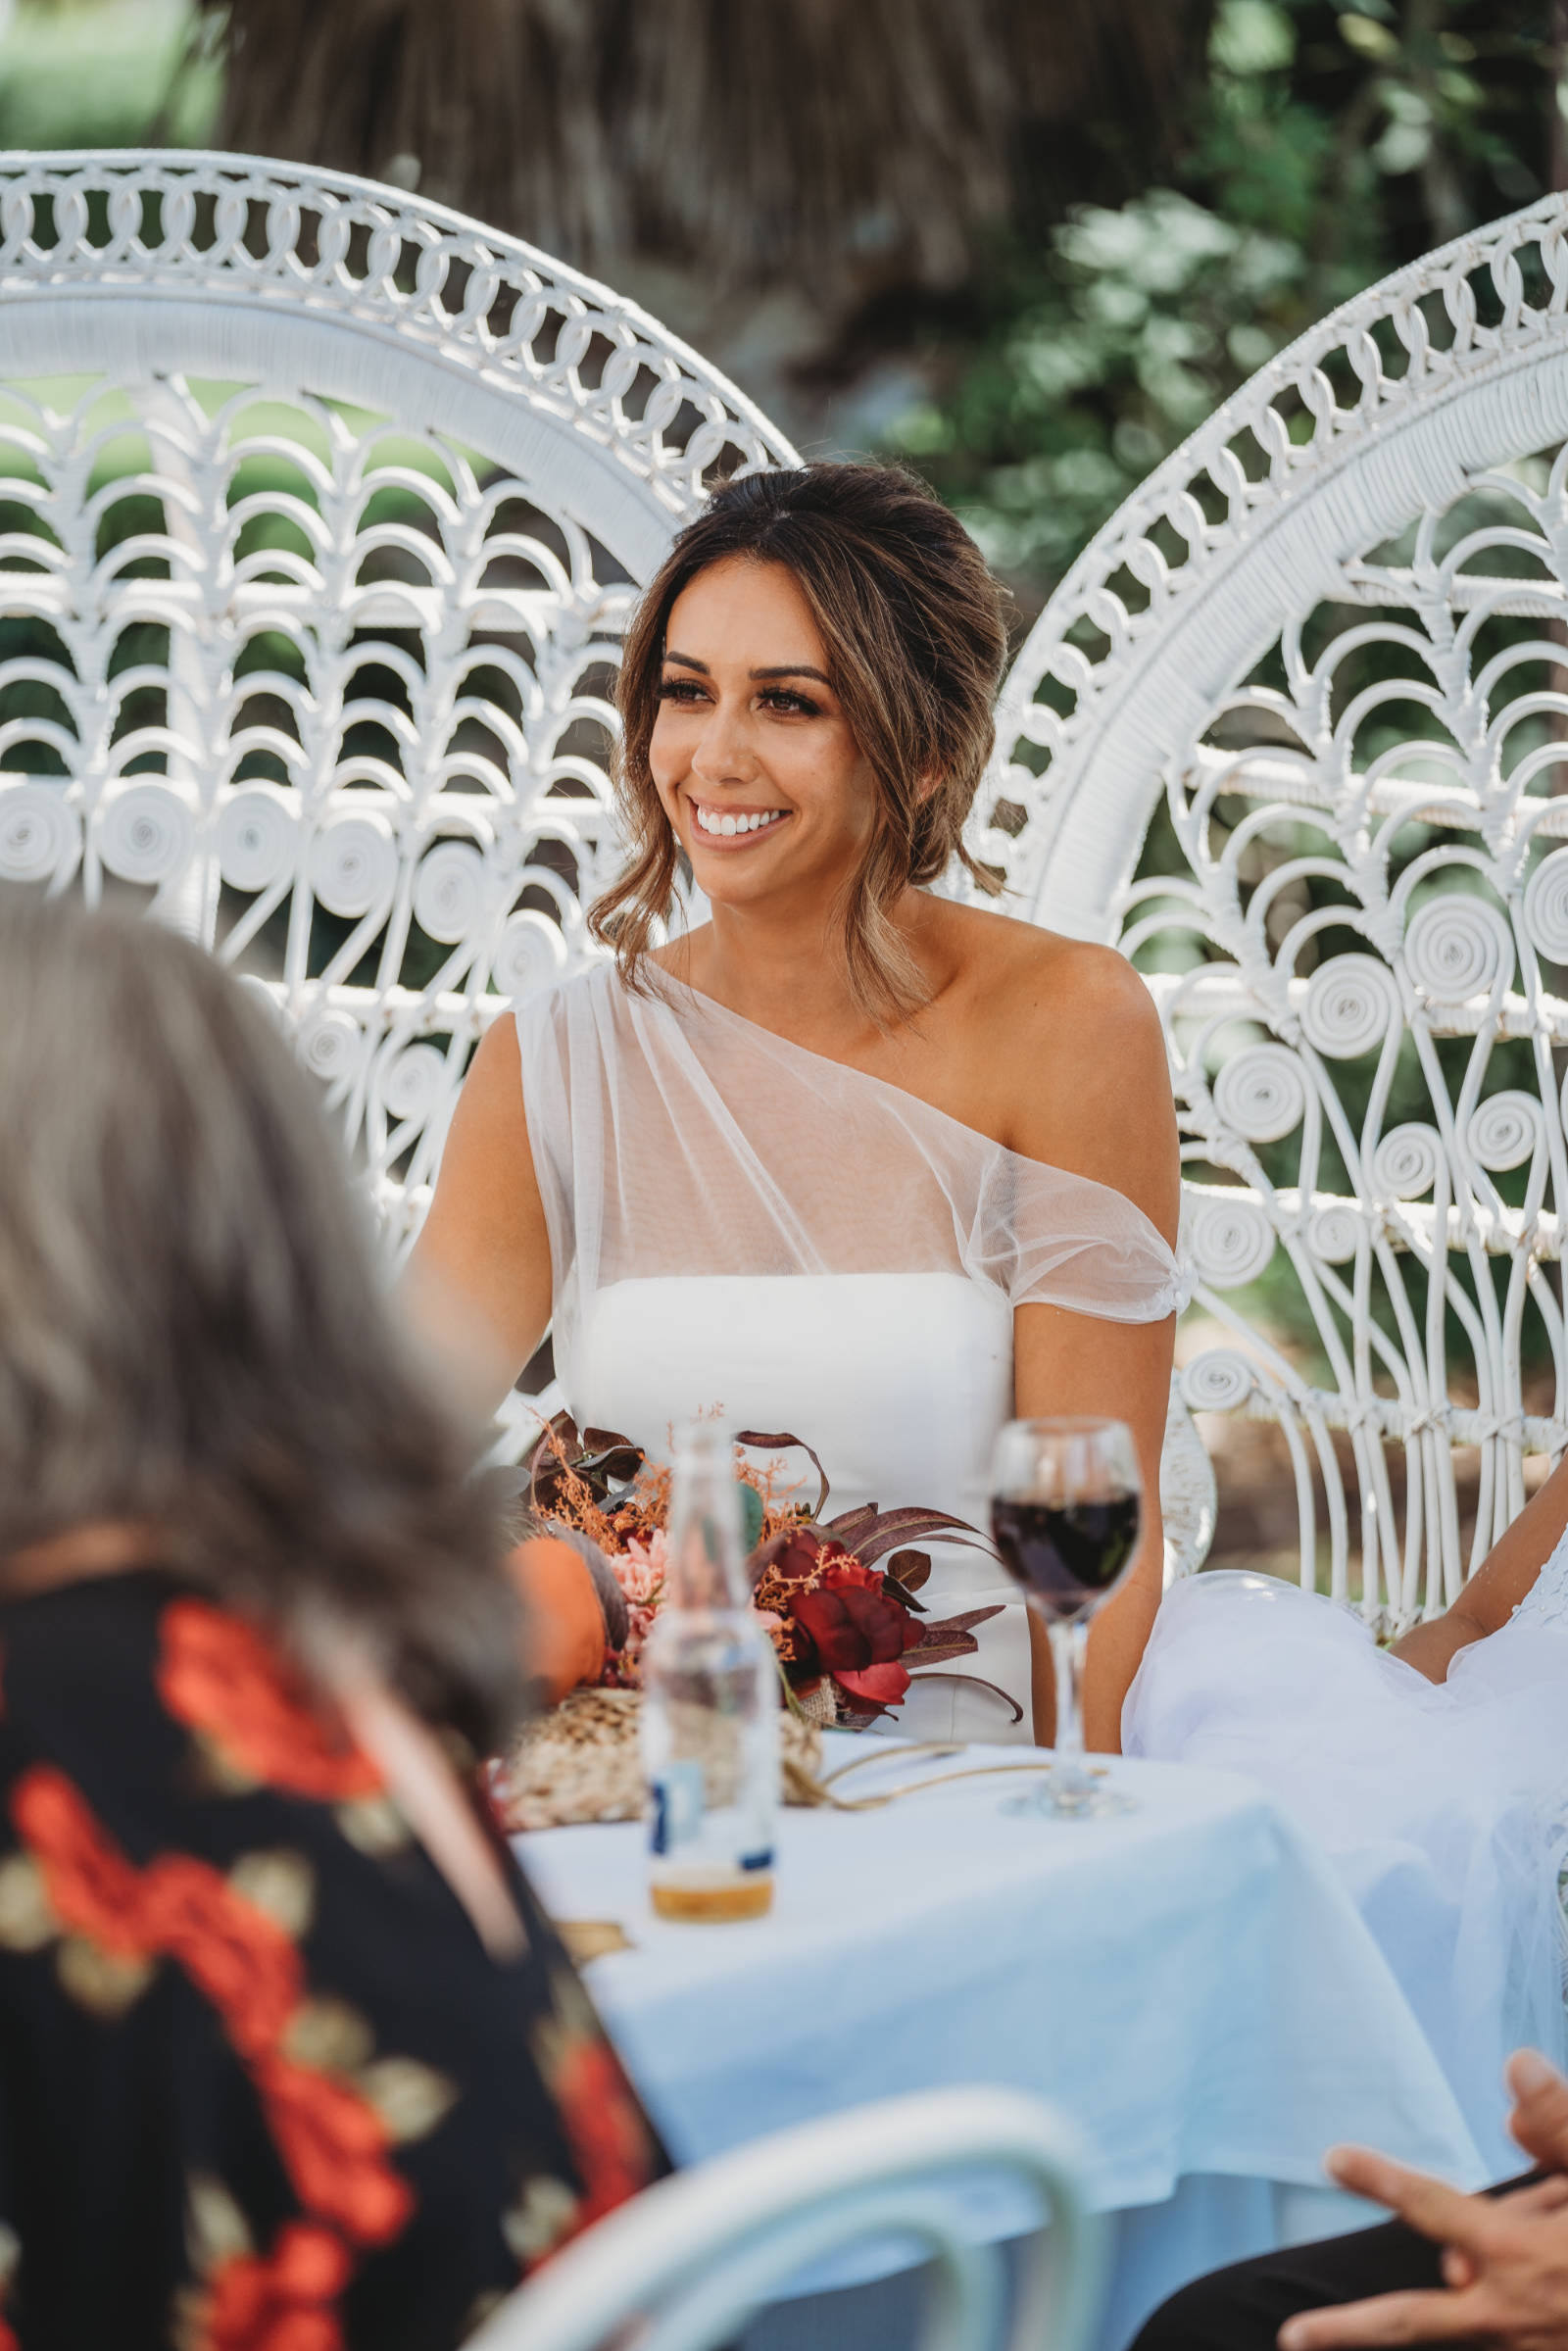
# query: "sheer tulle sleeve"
(670, 1137)
(1049, 1238)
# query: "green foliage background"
(1331, 145)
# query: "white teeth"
(753, 821)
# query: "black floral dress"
(262, 2089)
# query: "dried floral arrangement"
(838, 1596)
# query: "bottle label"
(676, 1816)
(760, 1860)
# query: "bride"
(845, 1160)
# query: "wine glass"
(1064, 1515)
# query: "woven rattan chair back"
(1293, 733)
(320, 513)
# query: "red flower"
(843, 1572)
(221, 1677)
(244, 1962)
(856, 1625)
(876, 1686)
(334, 2145)
(92, 1889)
(797, 1554)
(278, 2305)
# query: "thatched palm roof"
(752, 138)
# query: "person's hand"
(1504, 2259)
(1539, 2118)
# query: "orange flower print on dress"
(611, 2148)
(92, 1886)
(332, 2142)
(284, 2304)
(224, 1679)
(604, 2127)
(240, 1958)
(334, 2148)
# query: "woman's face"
(753, 759)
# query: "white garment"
(1443, 1807)
(738, 1224)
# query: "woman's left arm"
(1497, 1585)
(1100, 1105)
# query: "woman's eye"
(795, 704)
(679, 689)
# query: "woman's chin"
(727, 887)
(729, 876)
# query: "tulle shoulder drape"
(672, 1138)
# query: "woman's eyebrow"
(689, 660)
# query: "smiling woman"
(847, 1158)
(862, 730)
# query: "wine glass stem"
(1068, 1645)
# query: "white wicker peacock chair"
(320, 513)
(1293, 733)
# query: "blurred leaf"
(1252, 36)
(751, 1516)
(1367, 37)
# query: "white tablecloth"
(1189, 1982)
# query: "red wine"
(1067, 1554)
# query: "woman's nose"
(723, 752)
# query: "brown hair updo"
(912, 624)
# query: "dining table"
(1186, 1979)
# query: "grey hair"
(193, 1334)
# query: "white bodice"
(900, 1382)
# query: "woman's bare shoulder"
(1071, 994)
(1069, 1040)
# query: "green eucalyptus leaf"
(750, 1515)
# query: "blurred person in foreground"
(1488, 2269)
(289, 2054)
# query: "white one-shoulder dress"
(742, 1225)
(1445, 1807)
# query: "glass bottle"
(710, 1711)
